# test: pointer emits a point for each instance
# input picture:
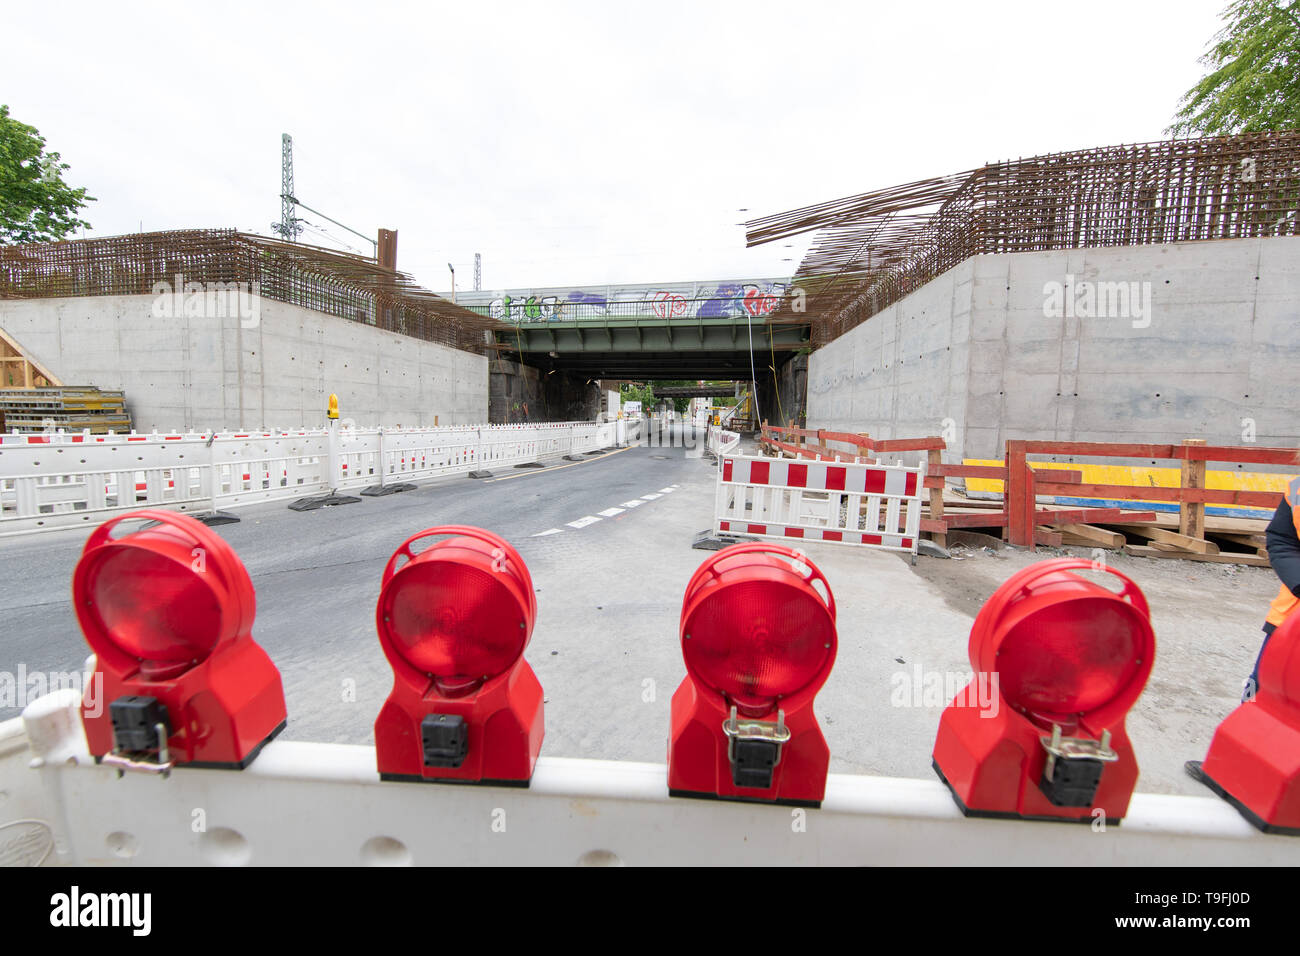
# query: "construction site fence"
(1021, 520)
(66, 480)
(719, 441)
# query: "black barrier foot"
(574, 458)
(531, 464)
(323, 501)
(931, 550)
(480, 474)
(218, 517)
(376, 491)
(708, 541)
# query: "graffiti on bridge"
(724, 301)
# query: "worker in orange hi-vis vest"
(1282, 536)
(1283, 540)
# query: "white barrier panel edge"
(323, 804)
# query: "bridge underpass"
(704, 331)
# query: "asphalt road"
(610, 577)
(317, 574)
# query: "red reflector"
(176, 619)
(759, 640)
(1070, 658)
(455, 621)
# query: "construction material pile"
(66, 408)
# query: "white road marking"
(666, 491)
(610, 512)
(650, 497)
(583, 522)
(542, 534)
(634, 503)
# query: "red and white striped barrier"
(62, 480)
(875, 506)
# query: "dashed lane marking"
(609, 512)
(550, 468)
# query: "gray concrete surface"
(974, 346)
(202, 372)
(606, 646)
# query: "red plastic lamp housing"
(1254, 757)
(453, 621)
(168, 610)
(1039, 733)
(758, 640)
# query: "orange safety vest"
(1286, 602)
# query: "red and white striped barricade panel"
(874, 506)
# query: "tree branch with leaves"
(1253, 82)
(36, 205)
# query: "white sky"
(573, 143)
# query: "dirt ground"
(1207, 620)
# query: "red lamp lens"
(1070, 658)
(758, 640)
(454, 621)
(154, 608)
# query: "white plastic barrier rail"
(63, 480)
(875, 506)
(306, 804)
(721, 442)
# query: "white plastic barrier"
(721, 442)
(874, 506)
(304, 804)
(63, 480)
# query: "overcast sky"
(573, 143)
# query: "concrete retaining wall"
(192, 372)
(1032, 345)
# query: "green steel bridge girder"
(658, 335)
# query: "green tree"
(36, 205)
(1253, 82)
(638, 392)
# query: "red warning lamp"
(1039, 733)
(758, 638)
(168, 610)
(454, 620)
(1254, 757)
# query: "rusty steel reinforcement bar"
(348, 286)
(874, 248)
